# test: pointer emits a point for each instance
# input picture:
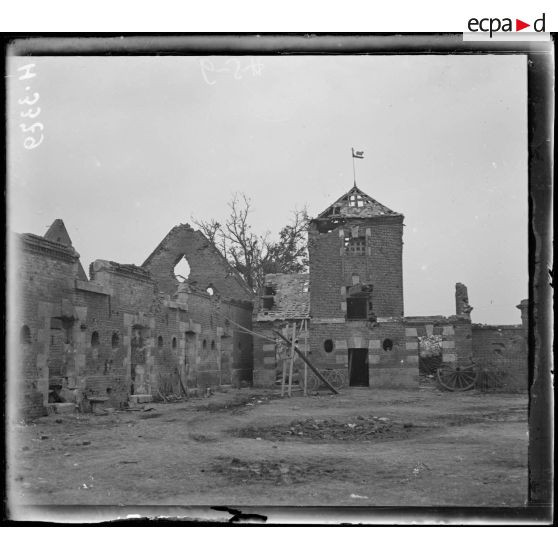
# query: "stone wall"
(208, 268)
(116, 334)
(504, 350)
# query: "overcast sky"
(134, 145)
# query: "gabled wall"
(207, 266)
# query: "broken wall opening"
(430, 354)
(182, 270)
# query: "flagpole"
(354, 172)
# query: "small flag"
(358, 154)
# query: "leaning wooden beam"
(312, 367)
(284, 354)
(291, 364)
(305, 354)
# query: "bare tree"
(253, 255)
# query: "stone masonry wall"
(82, 340)
(207, 265)
(332, 269)
(504, 348)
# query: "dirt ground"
(250, 447)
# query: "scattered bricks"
(63, 408)
(137, 399)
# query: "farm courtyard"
(363, 447)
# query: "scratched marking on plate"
(236, 67)
(29, 102)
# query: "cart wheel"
(312, 382)
(336, 379)
(454, 379)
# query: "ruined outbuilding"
(352, 301)
(128, 332)
(181, 321)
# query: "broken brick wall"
(208, 268)
(505, 349)
(113, 335)
(333, 267)
(42, 278)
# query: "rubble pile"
(276, 472)
(313, 429)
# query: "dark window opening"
(204, 344)
(212, 345)
(267, 302)
(115, 340)
(355, 245)
(25, 335)
(174, 343)
(160, 341)
(328, 345)
(357, 308)
(95, 339)
(387, 345)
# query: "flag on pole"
(358, 154)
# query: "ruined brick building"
(128, 331)
(352, 303)
(132, 331)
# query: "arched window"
(212, 345)
(160, 341)
(173, 343)
(328, 345)
(204, 344)
(95, 339)
(115, 341)
(25, 335)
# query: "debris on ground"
(274, 472)
(238, 405)
(312, 430)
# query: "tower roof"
(355, 203)
(57, 232)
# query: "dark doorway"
(358, 367)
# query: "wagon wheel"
(312, 382)
(336, 379)
(456, 379)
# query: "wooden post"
(292, 359)
(284, 358)
(310, 365)
(305, 354)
